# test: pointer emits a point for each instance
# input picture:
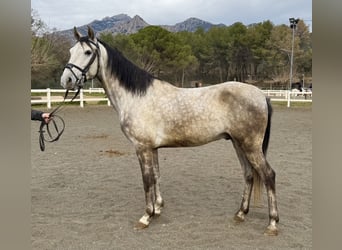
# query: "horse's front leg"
(145, 156)
(159, 202)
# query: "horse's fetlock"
(149, 210)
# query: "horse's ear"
(91, 34)
(77, 35)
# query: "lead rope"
(53, 118)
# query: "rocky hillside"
(124, 24)
(190, 25)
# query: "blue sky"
(65, 14)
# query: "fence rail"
(48, 98)
(289, 96)
(82, 98)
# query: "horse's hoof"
(239, 218)
(140, 226)
(271, 231)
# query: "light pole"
(293, 25)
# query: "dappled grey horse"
(155, 114)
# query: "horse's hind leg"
(248, 176)
(267, 175)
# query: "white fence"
(48, 99)
(289, 96)
(82, 98)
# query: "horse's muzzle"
(68, 81)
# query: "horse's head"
(82, 64)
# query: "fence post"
(81, 98)
(48, 96)
(288, 98)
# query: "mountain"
(129, 27)
(190, 25)
(124, 24)
(108, 22)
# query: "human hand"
(46, 117)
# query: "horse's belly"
(188, 136)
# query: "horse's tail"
(257, 182)
(268, 127)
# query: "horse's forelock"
(86, 40)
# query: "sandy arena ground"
(87, 190)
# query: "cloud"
(65, 14)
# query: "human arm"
(38, 115)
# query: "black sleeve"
(36, 115)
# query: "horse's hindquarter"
(248, 112)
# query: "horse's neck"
(109, 83)
(122, 99)
(118, 97)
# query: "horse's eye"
(88, 52)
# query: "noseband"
(80, 81)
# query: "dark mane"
(131, 77)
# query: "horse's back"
(242, 94)
(240, 88)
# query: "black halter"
(80, 81)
